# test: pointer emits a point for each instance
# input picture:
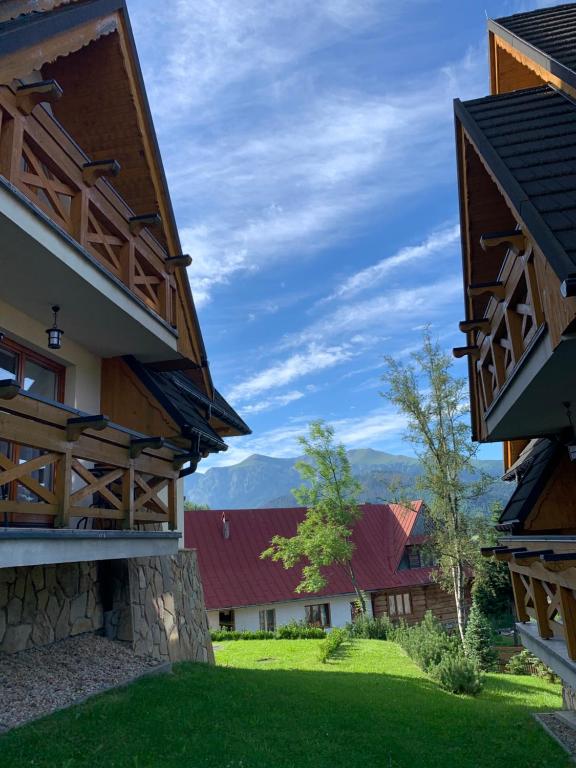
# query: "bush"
(458, 673)
(225, 634)
(439, 654)
(525, 663)
(298, 630)
(292, 631)
(369, 628)
(426, 643)
(478, 639)
(331, 644)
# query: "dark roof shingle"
(528, 140)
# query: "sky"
(309, 150)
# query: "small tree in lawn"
(435, 403)
(478, 639)
(330, 496)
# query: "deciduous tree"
(330, 495)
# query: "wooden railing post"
(128, 496)
(541, 607)
(63, 488)
(568, 611)
(519, 591)
(11, 148)
(79, 216)
(173, 504)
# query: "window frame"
(229, 626)
(309, 609)
(264, 617)
(399, 600)
(24, 353)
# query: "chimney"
(225, 526)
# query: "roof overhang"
(38, 546)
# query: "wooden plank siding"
(422, 599)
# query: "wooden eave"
(544, 61)
(11, 9)
(31, 41)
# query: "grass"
(272, 704)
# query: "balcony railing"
(57, 471)
(543, 583)
(511, 322)
(39, 158)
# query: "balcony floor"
(43, 546)
(552, 652)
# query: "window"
(226, 620)
(37, 374)
(399, 605)
(41, 377)
(354, 610)
(268, 620)
(318, 615)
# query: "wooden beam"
(76, 426)
(96, 169)
(494, 288)
(504, 554)
(139, 444)
(138, 223)
(480, 324)
(173, 262)
(515, 240)
(529, 557)
(519, 591)
(568, 611)
(559, 562)
(183, 458)
(9, 389)
(28, 96)
(472, 351)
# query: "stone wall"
(41, 604)
(154, 603)
(168, 615)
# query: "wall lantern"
(55, 334)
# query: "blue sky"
(309, 148)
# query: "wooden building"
(98, 424)
(516, 151)
(244, 592)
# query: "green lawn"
(271, 704)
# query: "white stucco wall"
(83, 369)
(249, 618)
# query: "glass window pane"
(8, 364)
(43, 476)
(406, 603)
(39, 380)
(392, 605)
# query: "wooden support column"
(173, 504)
(63, 489)
(11, 148)
(541, 606)
(128, 496)
(568, 611)
(79, 216)
(519, 597)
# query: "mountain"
(264, 481)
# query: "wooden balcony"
(60, 469)
(40, 159)
(543, 582)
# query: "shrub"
(525, 663)
(458, 673)
(369, 628)
(478, 639)
(298, 630)
(225, 634)
(426, 643)
(331, 644)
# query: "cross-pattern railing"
(39, 158)
(544, 585)
(512, 318)
(48, 479)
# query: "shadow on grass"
(226, 717)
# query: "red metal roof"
(234, 575)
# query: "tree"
(478, 639)
(330, 495)
(190, 506)
(435, 404)
(492, 590)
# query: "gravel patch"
(564, 734)
(38, 681)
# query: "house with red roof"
(244, 592)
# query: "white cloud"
(380, 424)
(315, 358)
(437, 242)
(278, 401)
